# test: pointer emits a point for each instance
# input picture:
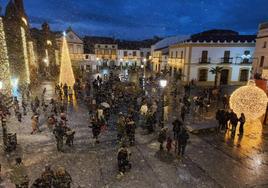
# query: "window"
(262, 61)
(204, 56)
(244, 75)
(142, 54)
(227, 54)
(134, 53)
(203, 75)
(125, 53)
(264, 44)
(176, 55)
(87, 56)
(98, 46)
(113, 46)
(181, 54)
(171, 55)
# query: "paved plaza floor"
(212, 160)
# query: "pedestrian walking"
(162, 137)
(242, 121)
(182, 142)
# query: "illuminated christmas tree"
(5, 84)
(66, 70)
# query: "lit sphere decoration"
(250, 100)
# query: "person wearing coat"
(162, 137)
(182, 142)
(242, 121)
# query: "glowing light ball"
(250, 100)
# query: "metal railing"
(227, 60)
(204, 60)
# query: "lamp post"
(144, 67)
(163, 84)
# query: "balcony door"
(204, 57)
(226, 56)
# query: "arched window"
(244, 74)
(203, 75)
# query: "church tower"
(17, 34)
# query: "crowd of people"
(120, 106)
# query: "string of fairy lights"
(250, 100)
(5, 83)
(66, 70)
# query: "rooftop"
(219, 35)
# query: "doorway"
(224, 77)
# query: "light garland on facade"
(250, 100)
(32, 57)
(66, 70)
(5, 81)
(25, 54)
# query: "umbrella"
(105, 105)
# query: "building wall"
(261, 50)
(187, 57)
(106, 52)
(128, 57)
(75, 44)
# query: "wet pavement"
(212, 160)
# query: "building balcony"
(227, 60)
(204, 61)
(246, 61)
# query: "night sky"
(140, 19)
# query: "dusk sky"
(140, 19)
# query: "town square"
(148, 94)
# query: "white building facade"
(128, 58)
(261, 52)
(195, 57)
(75, 44)
(160, 60)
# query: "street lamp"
(144, 67)
(163, 84)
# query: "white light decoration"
(25, 54)
(32, 57)
(1, 85)
(49, 42)
(4, 63)
(24, 21)
(66, 70)
(250, 100)
(163, 83)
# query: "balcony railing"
(204, 61)
(227, 60)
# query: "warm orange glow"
(250, 100)
(66, 70)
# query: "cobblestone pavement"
(212, 160)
